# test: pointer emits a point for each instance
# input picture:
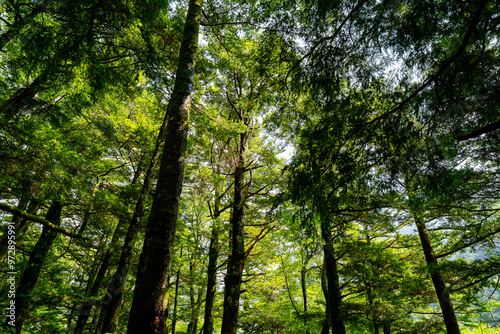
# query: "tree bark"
(303, 277)
(147, 314)
(22, 224)
(86, 307)
(19, 99)
(213, 254)
(232, 288)
(192, 302)
(176, 297)
(36, 261)
(443, 295)
(303, 286)
(450, 319)
(332, 277)
(324, 287)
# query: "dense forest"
(245, 166)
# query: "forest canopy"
(283, 166)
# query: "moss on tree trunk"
(147, 314)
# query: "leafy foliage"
(387, 112)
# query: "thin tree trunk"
(22, 224)
(96, 265)
(334, 294)
(147, 314)
(87, 305)
(195, 299)
(232, 288)
(324, 287)
(213, 254)
(369, 297)
(303, 277)
(195, 314)
(303, 286)
(174, 316)
(36, 261)
(450, 319)
(86, 217)
(376, 329)
(191, 295)
(116, 289)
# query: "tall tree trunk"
(332, 277)
(37, 259)
(449, 317)
(324, 287)
(213, 254)
(232, 288)
(195, 314)
(450, 320)
(22, 224)
(116, 289)
(87, 305)
(20, 98)
(176, 298)
(147, 314)
(191, 295)
(369, 296)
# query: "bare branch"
(476, 133)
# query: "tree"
(72, 30)
(114, 294)
(147, 313)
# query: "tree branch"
(206, 24)
(476, 133)
(288, 288)
(43, 221)
(468, 244)
(440, 71)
